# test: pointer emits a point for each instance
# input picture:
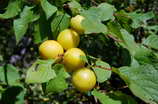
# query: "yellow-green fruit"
(84, 79)
(76, 24)
(68, 38)
(72, 59)
(50, 49)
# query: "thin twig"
(97, 66)
(114, 38)
(95, 99)
(123, 87)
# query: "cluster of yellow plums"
(68, 40)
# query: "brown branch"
(123, 87)
(98, 66)
(60, 55)
(114, 38)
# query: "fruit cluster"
(68, 40)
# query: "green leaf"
(134, 62)
(104, 99)
(125, 99)
(106, 11)
(103, 12)
(37, 35)
(152, 28)
(145, 55)
(128, 41)
(58, 84)
(124, 20)
(114, 29)
(152, 41)
(48, 8)
(42, 29)
(60, 23)
(84, 58)
(93, 25)
(140, 19)
(142, 81)
(20, 97)
(40, 72)
(13, 95)
(12, 10)
(94, 17)
(21, 24)
(10, 74)
(75, 7)
(140, 53)
(1, 89)
(102, 71)
(60, 71)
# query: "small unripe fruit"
(76, 24)
(72, 59)
(68, 38)
(84, 79)
(50, 49)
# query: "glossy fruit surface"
(73, 59)
(84, 79)
(50, 49)
(68, 38)
(76, 24)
